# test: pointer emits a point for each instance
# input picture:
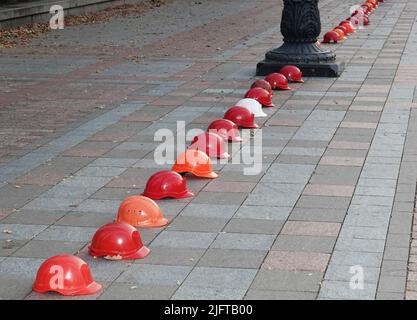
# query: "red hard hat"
(349, 27)
(342, 28)
(261, 95)
(241, 116)
(292, 73)
(116, 241)
(340, 33)
(365, 8)
(331, 36)
(278, 81)
(262, 84)
(226, 129)
(212, 144)
(167, 184)
(66, 274)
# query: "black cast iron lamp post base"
(301, 26)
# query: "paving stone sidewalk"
(334, 200)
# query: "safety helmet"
(340, 33)
(349, 27)
(331, 36)
(253, 106)
(66, 274)
(292, 73)
(117, 241)
(242, 117)
(141, 211)
(261, 95)
(167, 184)
(343, 29)
(366, 8)
(226, 129)
(277, 81)
(195, 162)
(261, 83)
(212, 144)
(354, 20)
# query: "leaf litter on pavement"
(10, 38)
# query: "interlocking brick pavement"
(336, 188)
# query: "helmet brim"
(140, 254)
(209, 175)
(268, 105)
(260, 115)
(92, 288)
(235, 139)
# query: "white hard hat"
(252, 105)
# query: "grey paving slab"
(21, 268)
(184, 239)
(67, 233)
(20, 231)
(288, 173)
(243, 241)
(342, 290)
(209, 210)
(258, 226)
(133, 291)
(14, 288)
(198, 293)
(254, 294)
(263, 212)
(304, 243)
(232, 258)
(47, 249)
(173, 256)
(287, 281)
(205, 277)
(155, 274)
(285, 195)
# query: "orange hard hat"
(349, 27)
(141, 211)
(340, 33)
(195, 162)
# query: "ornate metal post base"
(300, 26)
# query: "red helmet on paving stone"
(261, 95)
(277, 81)
(167, 184)
(292, 73)
(365, 8)
(242, 117)
(66, 274)
(341, 28)
(331, 37)
(349, 27)
(341, 34)
(226, 129)
(212, 144)
(116, 241)
(141, 211)
(261, 83)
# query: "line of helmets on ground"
(359, 17)
(120, 240)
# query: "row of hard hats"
(348, 26)
(70, 275)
